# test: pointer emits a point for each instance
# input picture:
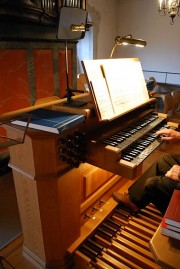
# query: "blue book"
(50, 120)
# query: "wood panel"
(95, 179)
(48, 194)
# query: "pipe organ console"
(64, 185)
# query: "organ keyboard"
(122, 146)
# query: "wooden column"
(48, 194)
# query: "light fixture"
(81, 27)
(127, 40)
(78, 28)
(72, 23)
(72, 27)
(169, 7)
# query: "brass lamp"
(128, 40)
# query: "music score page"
(102, 98)
(126, 84)
(117, 85)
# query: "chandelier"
(170, 7)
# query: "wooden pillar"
(48, 194)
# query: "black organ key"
(121, 134)
(96, 245)
(132, 131)
(139, 128)
(136, 150)
(87, 253)
(114, 139)
(140, 147)
(90, 250)
(105, 234)
(117, 138)
(143, 142)
(143, 124)
(149, 138)
(93, 242)
(114, 223)
(124, 134)
(108, 227)
(126, 215)
(111, 143)
(131, 152)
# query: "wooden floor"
(11, 255)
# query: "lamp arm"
(112, 52)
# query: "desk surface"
(165, 250)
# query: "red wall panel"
(44, 73)
(14, 90)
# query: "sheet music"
(101, 94)
(93, 69)
(98, 89)
(126, 84)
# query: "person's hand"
(174, 173)
(168, 134)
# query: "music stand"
(72, 27)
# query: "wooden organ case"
(68, 215)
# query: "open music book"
(117, 85)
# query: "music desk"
(165, 250)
